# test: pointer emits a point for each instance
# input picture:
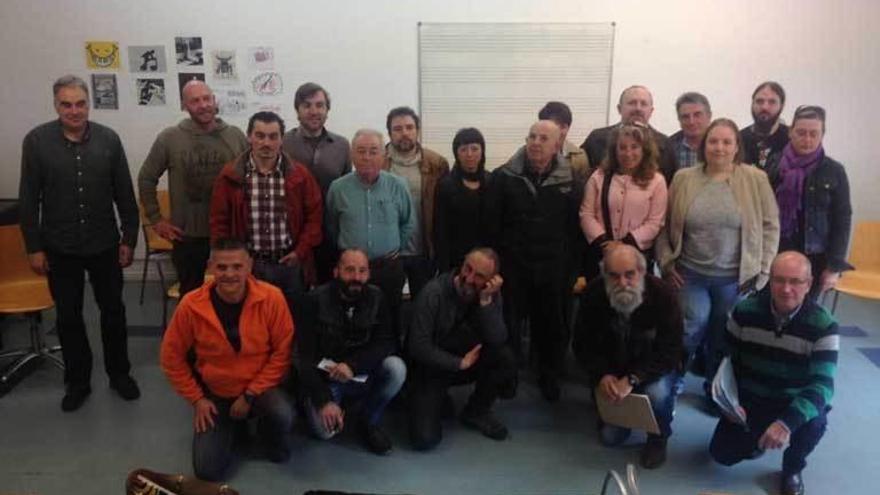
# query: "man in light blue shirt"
(372, 210)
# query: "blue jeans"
(285, 277)
(381, 386)
(660, 393)
(706, 302)
(212, 449)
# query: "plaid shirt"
(267, 229)
(687, 157)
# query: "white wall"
(365, 53)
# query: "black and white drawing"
(267, 84)
(231, 101)
(150, 92)
(189, 50)
(225, 66)
(261, 58)
(105, 92)
(147, 59)
(185, 77)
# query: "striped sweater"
(793, 364)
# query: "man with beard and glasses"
(422, 170)
(193, 152)
(240, 333)
(629, 339)
(273, 203)
(636, 106)
(767, 136)
(457, 337)
(345, 350)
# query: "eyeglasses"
(796, 282)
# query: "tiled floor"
(553, 448)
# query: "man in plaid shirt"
(274, 204)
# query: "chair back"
(21, 290)
(152, 240)
(864, 252)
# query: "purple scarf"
(793, 170)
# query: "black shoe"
(375, 439)
(486, 423)
(278, 454)
(126, 387)
(792, 484)
(447, 407)
(74, 398)
(653, 453)
(549, 388)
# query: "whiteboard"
(497, 76)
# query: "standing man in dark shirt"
(325, 154)
(767, 136)
(73, 172)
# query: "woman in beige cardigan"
(721, 234)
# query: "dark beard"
(466, 292)
(763, 128)
(351, 291)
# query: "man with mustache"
(422, 169)
(272, 203)
(636, 106)
(193, 152)
(457, 337)
(767, 136)
(532, 218)
(327, 155)
(629, 339)
(345, 350)
(240, 332)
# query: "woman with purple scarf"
(813, 195)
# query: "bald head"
(542, 144)
(636, 105)
(198, 100)
(791, 276)
(791, 260)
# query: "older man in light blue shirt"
(372, 210)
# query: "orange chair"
(157, 248)
(23, 292)
(864, 254)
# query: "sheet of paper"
(327, 364)
(634, 412)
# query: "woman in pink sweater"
(625, 200)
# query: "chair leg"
(144, 273)
(161, 276)
(834, 302)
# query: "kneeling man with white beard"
(629, 339)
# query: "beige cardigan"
(760, 219)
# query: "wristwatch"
(633, 380)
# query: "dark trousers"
(67, 283)
(732, 443)
(213, 449)
(190, 258)
(538, 293)
(326, 255)
(285, 277)
(494, 374)
(389, 277)
(419, 271)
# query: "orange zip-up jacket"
(266, 335)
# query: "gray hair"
(695, 98)
(641, 262)
(69, 81)
(368, 132)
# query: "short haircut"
(469, 135)
(722, 122)
(812, 112)
(308, 90)
(692, 97)
(489, 253)
(805, 262)
(266, 118)
(634, 86)
(352, 250)
(557, 112)
(368, 132)
(649, 165)
(400, 112)
(69, 81)
(228, 244)
(773, 86)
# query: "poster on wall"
(225, 67)
(150, 92)
(102, 54)
(231, 101)
(261, 58)
(267, 106)
(105, 92)
(189, 50)
(185, 77)
(267, 84)
(147, 59)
